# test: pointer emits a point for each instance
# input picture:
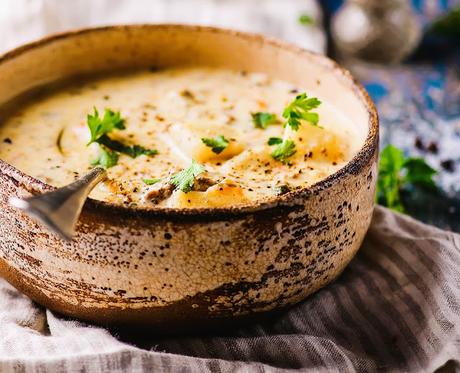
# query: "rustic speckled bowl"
(175, 268)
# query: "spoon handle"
(60, 209)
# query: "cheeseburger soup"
(194, 137)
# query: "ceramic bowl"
(174, 268)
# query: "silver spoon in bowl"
(60, 209)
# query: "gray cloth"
(396, 307)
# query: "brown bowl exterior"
(169, 268)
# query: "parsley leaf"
(300, 109)
(218, 144)
(282, 189)
(306, 20)
(100, 127)
(109, 148)
(396, 173)
(151, 181)
(133, 151)
(106, 158)
(262, 119)
(274, 141)
(184, 180)
(283, 151)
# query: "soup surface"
(192, 137)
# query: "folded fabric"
(396, 307)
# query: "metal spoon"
(60, 209)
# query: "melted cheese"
(171, 111)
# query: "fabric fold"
(395, 307)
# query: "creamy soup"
(191, 137)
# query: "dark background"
(419, 107)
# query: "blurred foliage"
(448, 25)
(399, 175)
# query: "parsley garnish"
(100, 127)
(110, 149)
(283, 150)
(397, 173)
(185, 179)
(306, 20)
(218, 144)
(300, 109)
(263, 120)
(106, 158)
(282, 189)
(133, 151)
(151, 181)
(274, 141)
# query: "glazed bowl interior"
(117, 48)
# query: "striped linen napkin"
(396, 307)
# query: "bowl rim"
(354, 166)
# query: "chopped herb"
(274, 141)
(100, 128)
(281, 189)
(263, 120)
(106, 158)
(300, 109)
(218, 144)
(184, 180)
(133, 151)
(396, 173)
(151, 181)
(306, 20)
(283, 151)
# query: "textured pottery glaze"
(171, 267)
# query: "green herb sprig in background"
(448, 25)
(397, 173)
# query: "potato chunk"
(186, 140)
(225, 193)
(321, 142)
